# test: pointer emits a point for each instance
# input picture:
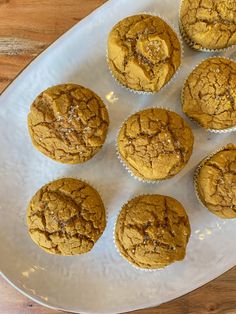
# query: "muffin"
(152, 231)
(66, 217)
(155, 144)
(209, 94)
(215, 182)
(68, 123)
(208, 24)
(143, 52)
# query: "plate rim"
(104, 6)
(47, 305)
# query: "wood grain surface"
(26, 28)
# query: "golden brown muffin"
(66, 217)
(152, 231)
(209, 94)
(155, 143)
(143, 52)
(68, 123)
(208, 24)
(216, 182)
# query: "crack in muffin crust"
(152, 231)
(216, 182)
(68, 123)
(209, 94)
(66, 217)
(209, 24)
(155, 143)
(143, 52)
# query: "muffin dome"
(155, 144)
(152, 231)
(66, 217)
(209, 94)
(216, 182)
(143, 52)
(209, 24)
(68, 123)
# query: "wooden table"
(26, 28)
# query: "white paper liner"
(123, 162)
(222, 131)
(197, 171)
(172, 79)
(193, 44)
(118, 251)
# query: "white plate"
(100, 281)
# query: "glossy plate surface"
(101, 281)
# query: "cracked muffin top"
(209, 94)
(152, 231)
(68, 123)
(208, 24)
(155, 143)
(143, 52)
(66, 217)
(216, 182)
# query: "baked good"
(155, 144)
(143, 52)
(215, 182)
(66, 217)
(208, 24)
(68, 123)
(152, 231)
(209, 94)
